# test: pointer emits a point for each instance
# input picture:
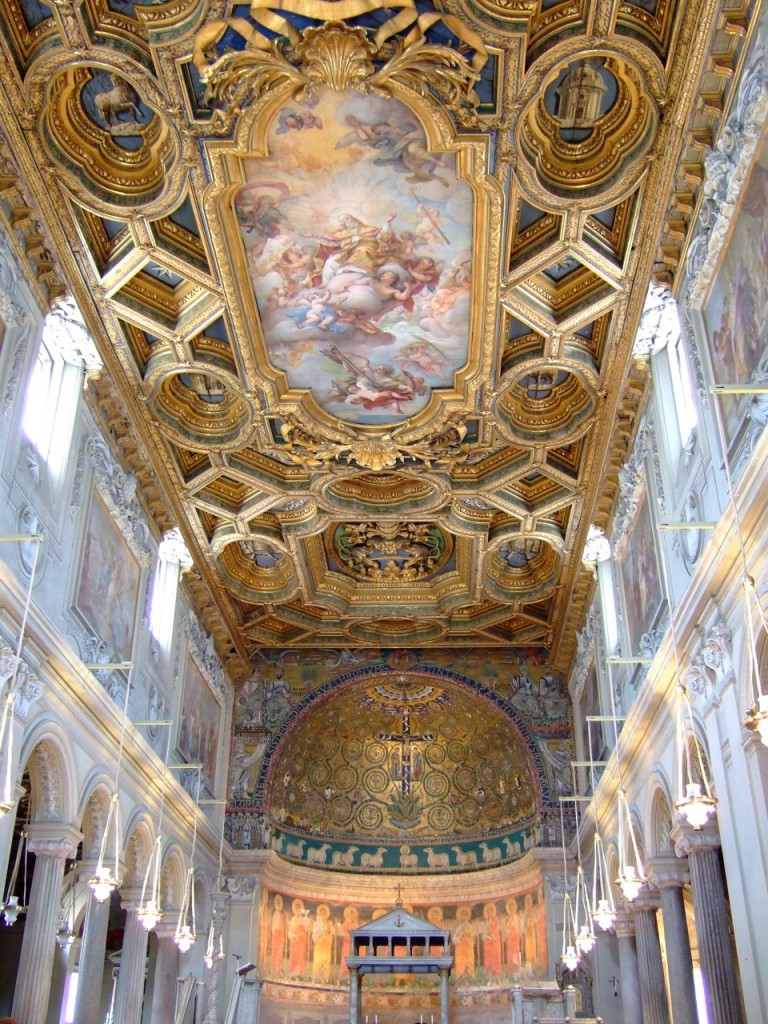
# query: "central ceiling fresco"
(370, 277)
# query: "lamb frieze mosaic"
(366, 278)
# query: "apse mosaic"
(492, 942)
(358, 239)
(399, 765)
(402, 758)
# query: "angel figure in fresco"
(429, 228)
(423, 355)
(374, 386)
(401, 145)
(290, 119)
(258, 209)
(748, 344)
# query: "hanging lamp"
(214, 950)
(186, 928)
(107, 873)
(150, 909)
(8, 792)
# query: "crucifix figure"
(405, 739)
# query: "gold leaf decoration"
(337, 56)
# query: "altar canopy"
(398, 943)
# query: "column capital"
(625, 925)
(668, 872)
(130, 897)
(220, 902)
(54, 839)
(689, 840)
(165, 929)
(648, 900)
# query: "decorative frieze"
(241, 886)
(64, 331)
(27, 685)
(711, 668)
(727, 166)
(632, 478)
(118, 489)
(586, 650)
(206, 657)
(11, 312)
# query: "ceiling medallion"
(587, 125)
(102, 131)
(550, 405)
(390, 552)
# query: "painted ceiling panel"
(366, 281)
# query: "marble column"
(629, 970)
(214, 973)
(713, 927)
(653, 989)
(444, 998)
(52, 845)
(165, 974)
(90, 974)
(129, 998)
(354, 995)
(669, 875)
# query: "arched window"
(66, 352)
(172, 556)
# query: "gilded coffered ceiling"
(366, 280)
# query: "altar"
(398, 943)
